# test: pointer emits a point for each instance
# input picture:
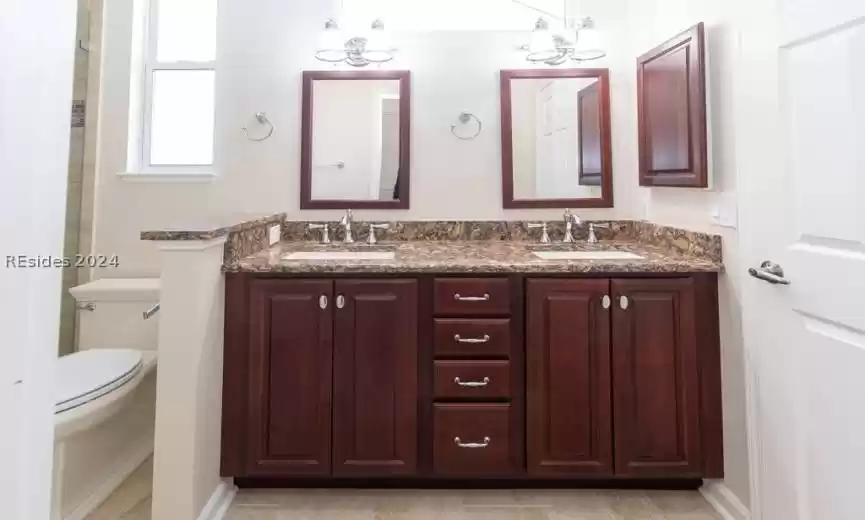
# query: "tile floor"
(132, 502)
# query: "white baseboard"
(219, 502)
(724, 501)
(113, 482)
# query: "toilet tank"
(110, 313)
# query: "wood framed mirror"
(556, 139)
(355, 140)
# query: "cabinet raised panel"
(656, 389)
(290, 378)
(375, 378)
(671, 108)
(568, 378)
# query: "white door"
(801, 142)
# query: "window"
(179, 63)
(449, 15)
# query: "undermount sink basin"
(587, 255)
(340, 255)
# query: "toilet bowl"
(105, 395)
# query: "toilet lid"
(87, 375)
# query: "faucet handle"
(593, 239)
(372, 227)
(325, 232)
(545, 236)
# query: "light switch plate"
(725, 211)
(275, 231)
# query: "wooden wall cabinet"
(443, 377)
(671, 108)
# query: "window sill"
(168, 177)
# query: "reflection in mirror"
(557, 139)
(354, 137)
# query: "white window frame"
(151, 65)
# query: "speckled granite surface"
(481, 257)
(244, 236)
(457, 246)
(210, 229)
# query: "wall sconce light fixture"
(357, 51)
(579, 42)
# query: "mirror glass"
(355, 140)
(557, 140)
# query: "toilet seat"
(87, 375)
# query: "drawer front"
(472, 380)
(472, 338)
(472, 439)
(472, 296)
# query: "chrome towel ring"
(261, 117)
(464, 119)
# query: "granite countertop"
(481, 257)
(210, 228)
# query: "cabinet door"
(568, 378)
(671, 110)
(656, 391)
(290, 377)
(375, 378)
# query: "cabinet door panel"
(568, 378)
(671, 106)
(375, 378)
(656, 390)
(290, 377)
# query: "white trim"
(724, 501)
(217, 507)
(186, 176)
(112, 483)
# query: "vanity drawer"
(472, 379)
(472, 439)
(472, 338)
(472, 296)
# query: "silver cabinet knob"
(322, 301)
(623, 302)
(340, 301)
(769, 272)
(606, 302)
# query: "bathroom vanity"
(471, 360)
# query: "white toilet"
(106, 394)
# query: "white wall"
(655, 21)
(35, 101)
(263, 47)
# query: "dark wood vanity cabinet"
(569, 426)
(655, 371)
(444, 377)
(375, 378)
(332, 378)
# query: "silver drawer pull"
(485, 339)
(472, 384)
(462, 444)
(461, 298)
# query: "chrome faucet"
(325, 232)
(346, 223)
(371, 240)
(545, 236)
(593, 238)
(571, 220)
